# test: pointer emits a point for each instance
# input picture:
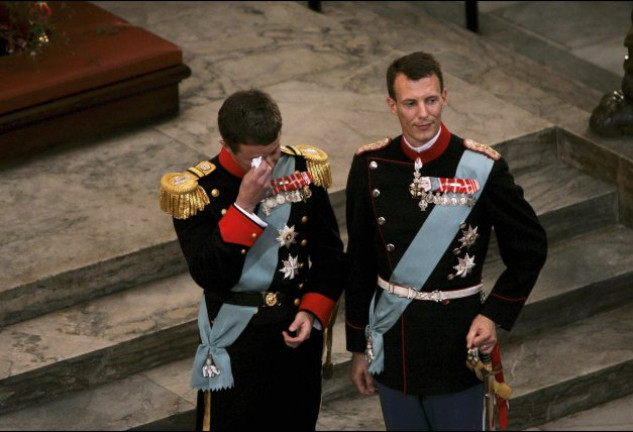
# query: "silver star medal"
(465, 265)
(291, 267)
(469, 237)
(287, 236)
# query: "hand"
(301, 327)
(482, 334)
(254, 187)
(360, 375)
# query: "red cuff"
(320, 305)
(236, 227)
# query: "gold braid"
(180, 194)
(317, 163)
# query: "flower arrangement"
(25, 26)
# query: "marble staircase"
(98, 315)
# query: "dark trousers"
(462, 411)
(276, 387)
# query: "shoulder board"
(316, 161)
(180, 194)
(376, 145)
(289, 150)
(482, 148)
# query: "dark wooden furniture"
(99, 74)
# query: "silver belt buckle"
(436, 296)
(410, 293)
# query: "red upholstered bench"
(98, 74)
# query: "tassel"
(318, 165)
(181, 196)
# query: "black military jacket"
(215, 242)
(425, 350)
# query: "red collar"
(227, 161)
(432, 153)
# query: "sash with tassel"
(212, 365)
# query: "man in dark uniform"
(420, 211)
(259, 235)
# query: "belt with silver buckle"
(436, 295)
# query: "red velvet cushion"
(91, 48)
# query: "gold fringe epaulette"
(482, 148)
(180, 194)
(317, 162)
(376, 145)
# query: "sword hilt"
(481, 364)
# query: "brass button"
(304, 219)
(215, 193)
(254, 235)
(375, 193)
(390, 247)
(300, 286)
(373, 165)
(270, 299)
(243, 251)
(381, 220)
(223, 212)
(304, 242)
(297, 302)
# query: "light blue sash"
(258, 272)
(422, 256)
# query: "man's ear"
(392, 106)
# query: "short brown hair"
(414, 66)
(249, 117)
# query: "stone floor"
(563, 25)
(330, 89)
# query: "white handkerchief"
(256, 161)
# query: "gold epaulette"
(376, 145)
(482, 148)
(317, 162)
(180, 194)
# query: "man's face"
(418, 106)
(270, 153)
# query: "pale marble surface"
(92, 343)
(83, 219)
(302, 58)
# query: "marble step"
(85, 222)
(553, 379)
(584, 275)
(550, 380)
(98, 341)
(127, 332)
